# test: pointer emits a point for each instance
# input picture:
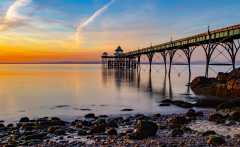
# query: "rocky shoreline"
(224, 85)
(136, 130)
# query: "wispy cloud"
(12, 17)
(97, 13)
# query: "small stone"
(144, 129)
(235, 115)
(191, 113)
(164, 104)
(112, 132)
(10, 126)
(90, 115)
(177, 132)
(82, 132)
(157, 115)
(24, 119)
(52, 129)
(215, 140)
(177, 121)
(127, 109)
(209, 132)
(60, 132)
(216, 117)
(2, 126)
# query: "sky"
(80, 30)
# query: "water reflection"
(133, 79)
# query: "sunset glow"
(74, 31)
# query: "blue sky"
(130, 23)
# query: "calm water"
(63, 90)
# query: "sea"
(70, 91)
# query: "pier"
(118, 60)
(226, 38)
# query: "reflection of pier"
(133, 79)
(226, 38)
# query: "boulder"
(224, 85)
(144, 129)
(223, 77)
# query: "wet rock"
(225, 84)
(144, 129)
(215, 140)
(209, 132)
(230, 105)
(223, 77)
(52, 129)
(235, 116)
(216, 117)
(141, 117)
(90, 115)
(99, 128)
(177, 121)
(55, 119)
(177, 132)
(103, 116)
(164, 104)
(40, 136)
(182, 104)
(112, 132)
(24, 119)
(127, 109)
(2, 126)
(168, 101)
(10, 126)
(82, 132)
(191, 113)
(157, 115)
(85, 109)
(112, 123)
(59, 132)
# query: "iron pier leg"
(150, 57)
(164, 55)
(208, 49)
(171, 55)
(188, 52)
(232, 48)
(138, 62)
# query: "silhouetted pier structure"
(226, 38)
(118, 60)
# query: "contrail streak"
(92, 18)
(12, 16)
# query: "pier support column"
(188, 52)
(138, 62)
(164, 55)
(150, 57)
(232, 48)
(208, 49)
(171, 55)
